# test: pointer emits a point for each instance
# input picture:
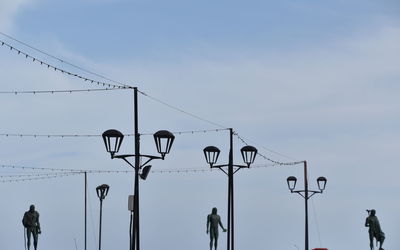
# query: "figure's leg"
(28, 235)
(216, 240)
(382, 239)
(371, 241)
(211, 239)
(35, 239)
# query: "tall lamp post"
(112, 141)
(306, 194)
(102, 192)
(211, 154)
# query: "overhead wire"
(70, 91)
(10, 176)
(99, 135)
(121, 85)
(316, 222)
(63, 171)
(182, 111)
(267, 158)
(39, 178)
(53, 135)
(191, 131)
(57, 69)
(62, 60)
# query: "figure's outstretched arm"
(222, 226)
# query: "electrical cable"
(99, 135)
(270, 150)
(182, 111)
(267, 158)
(61, 60)
(10, 176)
(120, 85)
(65, 172)
(192, 131)
(316, 222)
(57, 69)
(38, 178)
(54, 135)
(92, 220)
(69, 91)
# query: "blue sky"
(310, 80)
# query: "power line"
(181, 110)
(38, 168)
(54, 135)
(118, 85)
(10, 176)
(270, 150)
(192, 131)
(62, 60)
(62, 171)
(99, 135)
(316, 222)
(70, 91)
(57, 69)
(267, 158)
(39, 178)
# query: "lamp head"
(321, 183)
(102, 191)
(248, 154)
(291, 181)
(112, 141)
(211, 154)
(163, 140)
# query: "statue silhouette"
(375, 230)
(213, 220)
(32, 225)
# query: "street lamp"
(211, 153)
(102, 192)
(113, 139)
(306, 194)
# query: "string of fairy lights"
(99, 135)
(61, 60)
(267, 158)
(70, 91)
(49, 173)
(60, 70)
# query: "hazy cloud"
(8, 10)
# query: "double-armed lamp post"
(306, 194)
(113, 140)
(211, 154)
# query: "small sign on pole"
(131, 202)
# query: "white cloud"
(8, 10)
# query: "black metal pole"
(85, 210)
(101, 212)
(231, 188)
(137, 167)
(229, 213)
(306, 204)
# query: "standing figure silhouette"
(213, 221)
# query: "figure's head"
(373, 212)
(214, 210)
(32, 208)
